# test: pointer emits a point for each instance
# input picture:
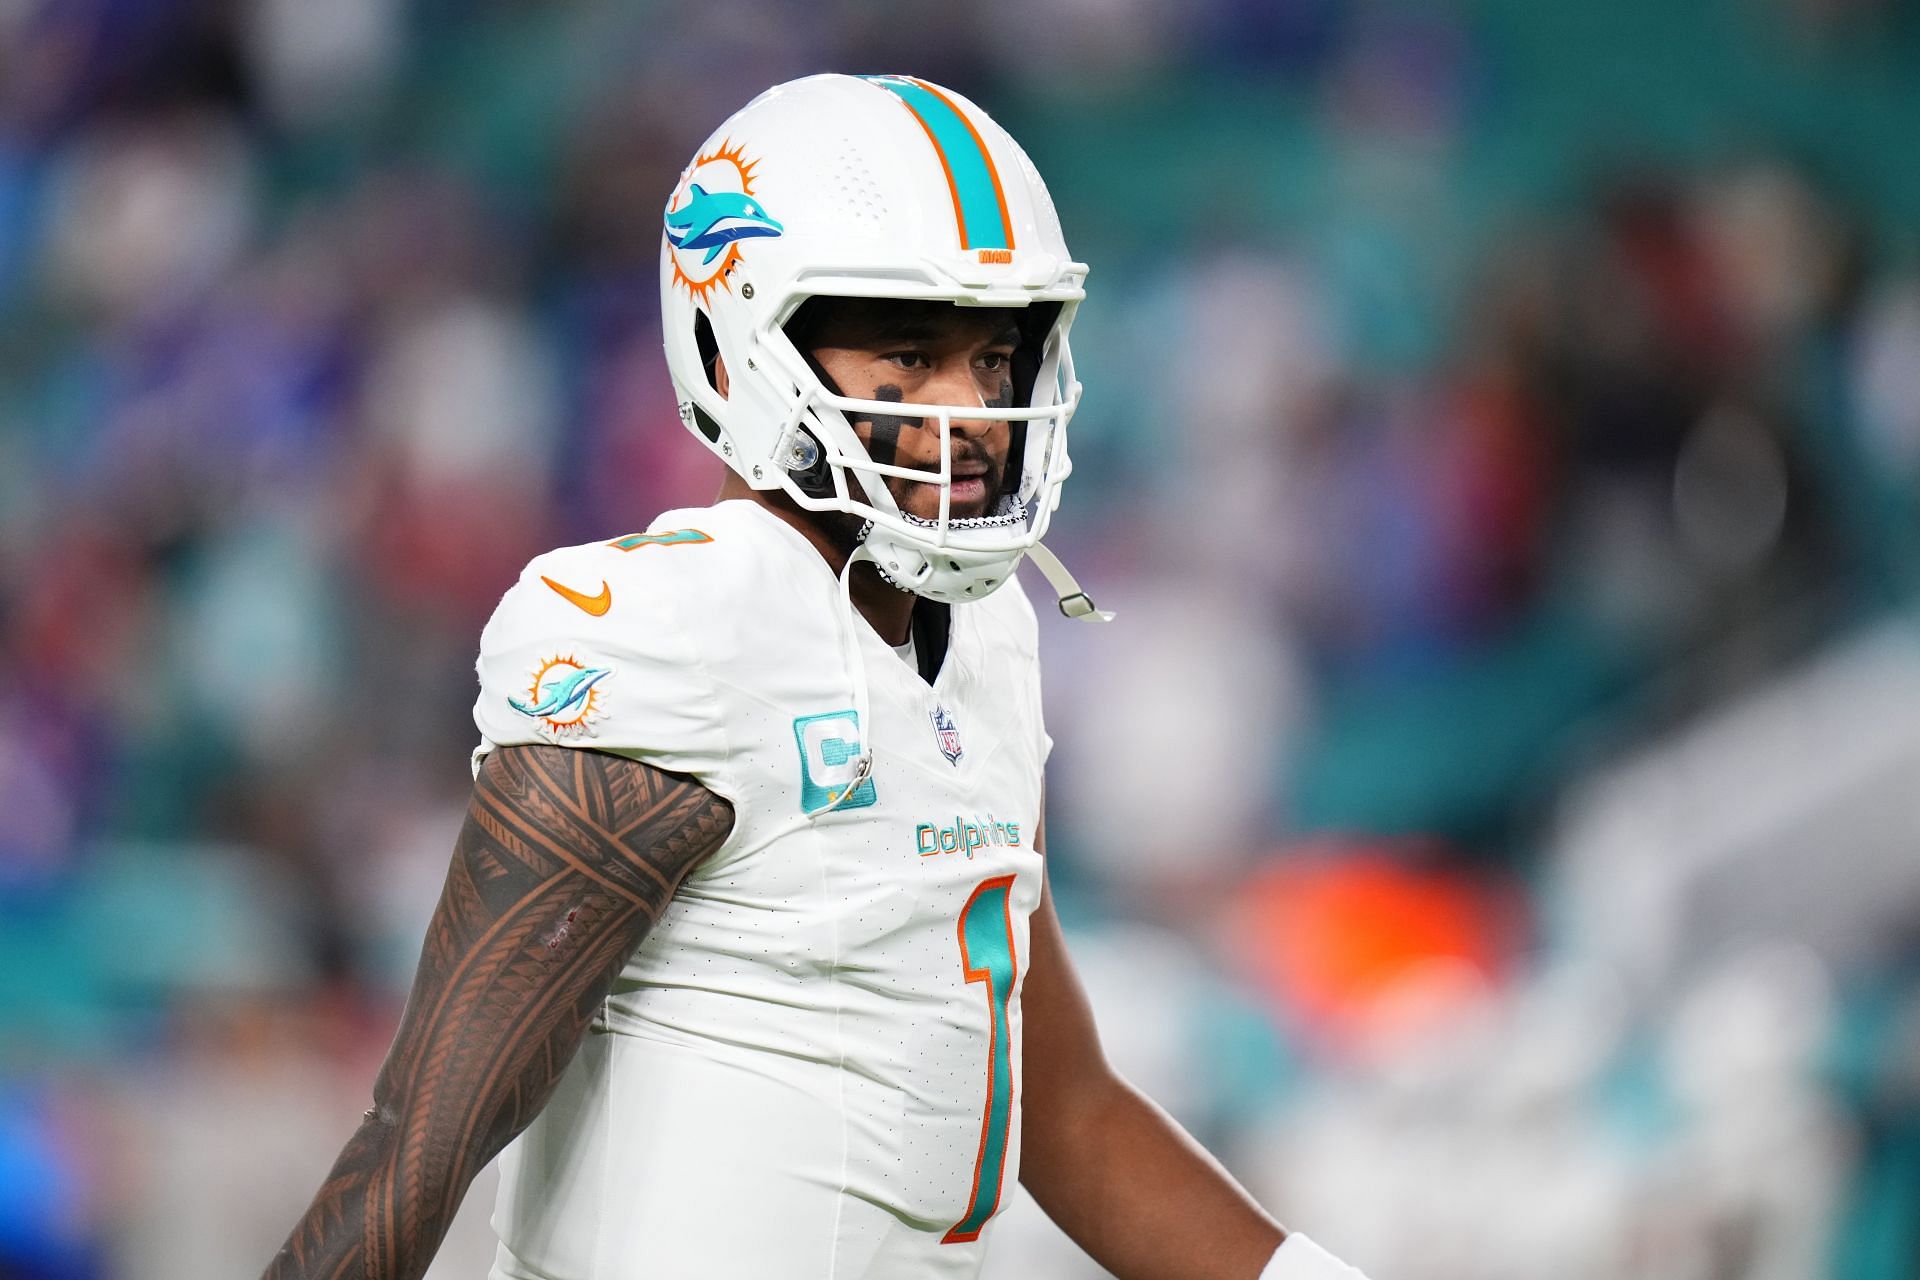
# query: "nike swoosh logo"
(595, 605)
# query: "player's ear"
(720, 374)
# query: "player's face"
(922, 353)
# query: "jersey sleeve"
(588, 650)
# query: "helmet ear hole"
(709, 348)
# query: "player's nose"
(960, 386)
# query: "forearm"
(566, 859)
(350, 1229)
(1129, 1185)
(457, 1085)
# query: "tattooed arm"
(566, 860)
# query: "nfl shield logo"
(948, 735)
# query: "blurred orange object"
(1354, 939)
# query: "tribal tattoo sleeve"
(566, 860)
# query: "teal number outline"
(991, 943)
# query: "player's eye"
(908, 359)
(996, 361)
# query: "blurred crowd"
(1489, 823)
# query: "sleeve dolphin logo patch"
(562, 696)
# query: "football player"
(746, 957)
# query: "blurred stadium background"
(1493, 824)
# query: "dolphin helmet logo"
(712, 220)
(712, 211)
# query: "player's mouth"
(972, 486)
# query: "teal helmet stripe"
(979, 202)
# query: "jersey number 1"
(986, 955)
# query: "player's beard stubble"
(983, 452)
(980, 454)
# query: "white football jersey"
(811, 1068)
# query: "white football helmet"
(873, 187)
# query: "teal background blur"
(1490, 824)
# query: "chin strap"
(1074, 602)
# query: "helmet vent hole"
(954, 565)
(709, 348)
